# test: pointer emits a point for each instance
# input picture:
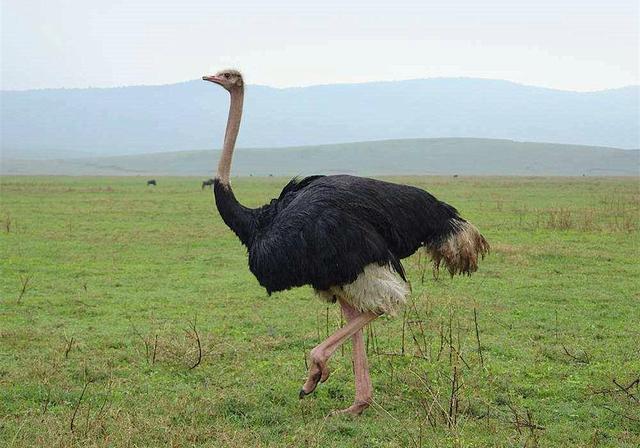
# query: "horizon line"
(303, 86)
(316, 146)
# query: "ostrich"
(151, 182)
(344, 236)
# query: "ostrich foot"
(318, 373)
(319, 356)
(356, 409)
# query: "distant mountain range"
(409, 156)
(63, 123)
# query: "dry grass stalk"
(24, 282)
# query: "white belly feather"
(379, 289)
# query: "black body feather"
(323, 230)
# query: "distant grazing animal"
(344, 236)
(455, 175)
(151, 182)
(207, 183)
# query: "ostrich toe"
(355, 409)
(318, 373)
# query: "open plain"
(128, 317)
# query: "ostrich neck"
(231, 134)
(239, 218)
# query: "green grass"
(117, 276)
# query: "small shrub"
(559, 219)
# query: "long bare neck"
(239, 218)
(231, 134)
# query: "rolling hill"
(407, 156)
(63, 123)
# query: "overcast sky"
(566, 44)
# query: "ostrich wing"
(318, 246)
(324, 230)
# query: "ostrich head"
(229, 79)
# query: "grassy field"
(128, 317)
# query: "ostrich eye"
(226, 75)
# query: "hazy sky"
(567, 44)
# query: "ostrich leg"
(364, 390)
(318, 371)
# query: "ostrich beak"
(212, 78)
